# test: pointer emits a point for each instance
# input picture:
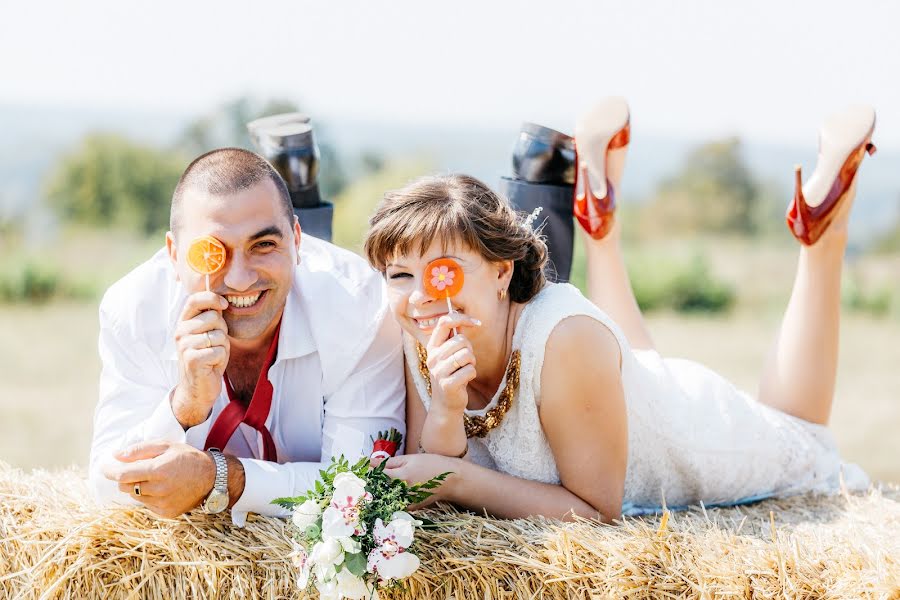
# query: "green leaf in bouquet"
(289, 503)
(356, 563)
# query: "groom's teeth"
(243, 301)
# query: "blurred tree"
(371, 161)
(227, 126)
(714, 192)
(357, 202)
(110, 180)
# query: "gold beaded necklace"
(480, 425)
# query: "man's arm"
(133, 401)
(139, 399)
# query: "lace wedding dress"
(692, 436)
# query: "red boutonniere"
(386, 444)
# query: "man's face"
(262, 247)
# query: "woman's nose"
(240, 274)
(419, 295)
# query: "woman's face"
(417, 312)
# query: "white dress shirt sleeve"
(371, 399)
(134, 400)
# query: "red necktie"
(254, 415)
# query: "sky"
(765, 70)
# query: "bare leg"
(610, 288)
(799, 375)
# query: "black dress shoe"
(544, 176)
(288, 143)
(544, 155)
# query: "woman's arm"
(583, 414)
(582, 411)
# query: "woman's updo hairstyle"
(458, 208)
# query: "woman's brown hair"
(458, 208)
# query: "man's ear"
(297, 234)
(172, 249)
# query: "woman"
(542, 402)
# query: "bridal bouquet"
(352, 535)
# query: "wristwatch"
(217, 501)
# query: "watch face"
(216, 502)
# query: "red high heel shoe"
(843, 140)
(606, 127)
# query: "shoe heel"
(871, 149)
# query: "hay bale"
(54, 543)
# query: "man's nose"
(240, 274)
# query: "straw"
(56, 543)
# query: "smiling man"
(237, 395)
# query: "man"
(182, 365)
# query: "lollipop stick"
(450, 308)
(207, 282)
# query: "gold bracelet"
(463, 455)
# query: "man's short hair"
(226, 171)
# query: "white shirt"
(338, 377)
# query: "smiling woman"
(557, 411)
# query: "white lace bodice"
(692, 436)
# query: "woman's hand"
(418, 468)
(451, 361)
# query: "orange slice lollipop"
(443, 278)
(206, 255)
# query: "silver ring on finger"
(137, 489)
(208, 340)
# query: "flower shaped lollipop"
(443, 279)
(206, 255)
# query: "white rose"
(328, 590)
(351, 586)
(348, 486)
(398, 566)
(306, 514)
(324, 573)
(337, 523)
(327, 552)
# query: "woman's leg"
(799, 375)
(609, 286)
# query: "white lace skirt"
(703, 440)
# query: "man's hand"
(174, 478)
(203, 351)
